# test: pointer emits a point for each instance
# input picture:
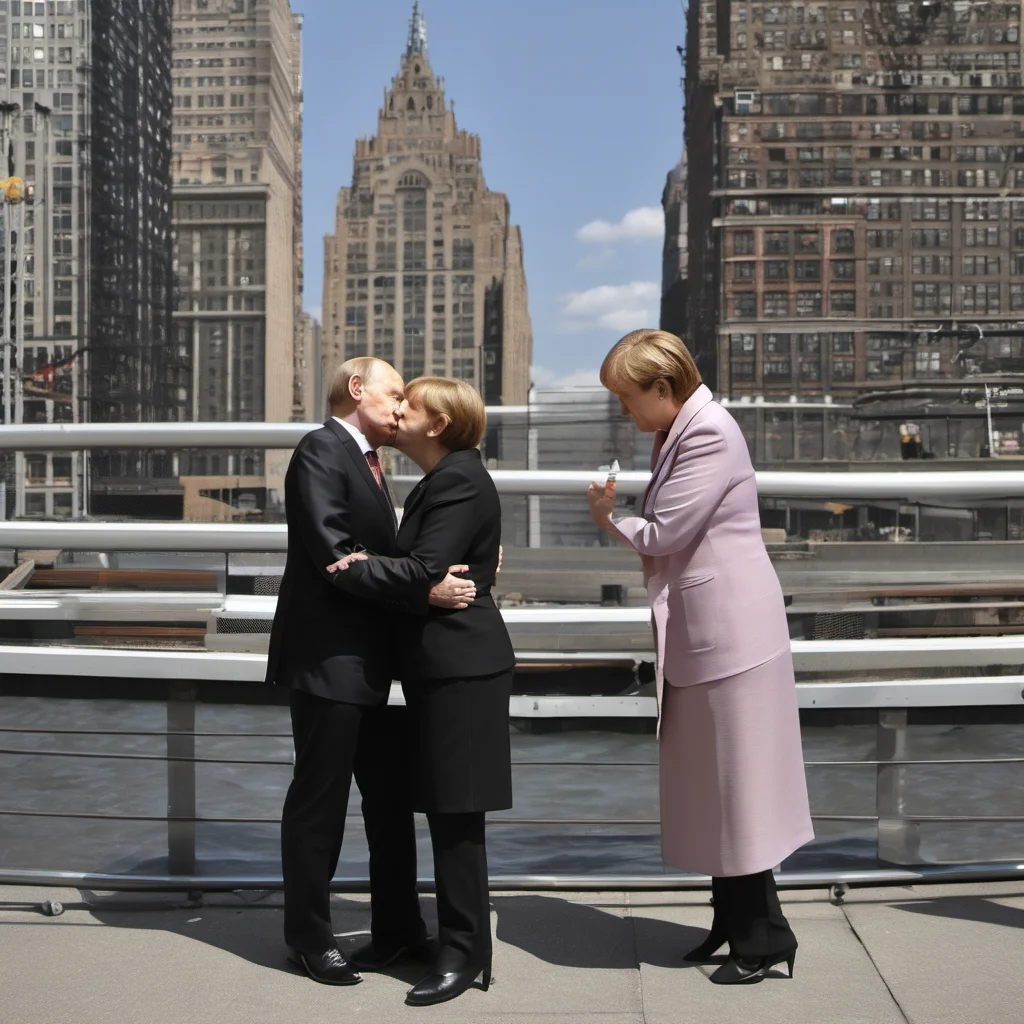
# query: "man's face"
(380, 405)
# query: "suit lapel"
(383, 498)
(693, 405)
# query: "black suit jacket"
(326, 638)
(452, 517)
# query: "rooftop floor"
(922, 954)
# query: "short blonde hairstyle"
(459, 401)
(362, 367)
(644, 356)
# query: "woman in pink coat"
(733, 792)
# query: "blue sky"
(578, 106)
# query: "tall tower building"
(237, 223)
(425, 268)
(856, 176)
(85, 107)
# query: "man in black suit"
(334, 652)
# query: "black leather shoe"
(370, 957)
(439, 987)
(736, 971)
(328, 967)
(707, 949)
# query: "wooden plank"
(19, 577)
(124, 579)
(163, 632)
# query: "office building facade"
(85, 120)
(425, 268)
(856, 183)
(237, 82)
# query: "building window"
(808, 270)
(979, 298)
(744, 306)
(776, 304)
(414, 255)
(776, 242)
(974, 266)
(842, 240)
(843, 303)
(776, 270)
(981, 236)
(930, 238)
(930, 209)
(844, 270)
(462, 254)
(743, 243)
(808, 241)
(414, 210)
(932, 297)
(842, 343)
(743, 271)
(808, 303)
(777, 369)
(884, 239)
(744, 343)
(843, 369)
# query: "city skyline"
(588, 207)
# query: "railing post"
(181, 779)
(899, 840)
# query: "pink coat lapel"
(701, 397)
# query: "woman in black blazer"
(456, 666)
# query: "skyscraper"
(856, 177)
(425, 268)
(237, 218)
(85, 109)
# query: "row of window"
(926, 297)
(891, 103)
(843, 240)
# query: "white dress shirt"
(357, 435)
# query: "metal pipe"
(922, 874)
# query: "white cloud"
(636, 226)
(612, 307)
(597, 259)
(547, 379)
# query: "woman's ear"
(439, 426)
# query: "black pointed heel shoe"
(708, 948)
(439, 987)
(736, 971)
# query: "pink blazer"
(716, 601)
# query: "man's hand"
(343, 563)
(453, 593)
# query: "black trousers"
(333, 742)
(749, 915)
(460, 875)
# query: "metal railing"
(834, 486)
(175, 673)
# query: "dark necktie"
(375, 469)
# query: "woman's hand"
(343, 563)
(602, 502)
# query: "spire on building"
(417, 32)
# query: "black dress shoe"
(736, 971)
(708, 948)
(370, 957)
(328, 967)
(439, 987)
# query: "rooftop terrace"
(919, 954)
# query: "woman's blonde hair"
(644, 356)
(459, 401)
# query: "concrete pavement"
(923, 954)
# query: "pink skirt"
(733, 790)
